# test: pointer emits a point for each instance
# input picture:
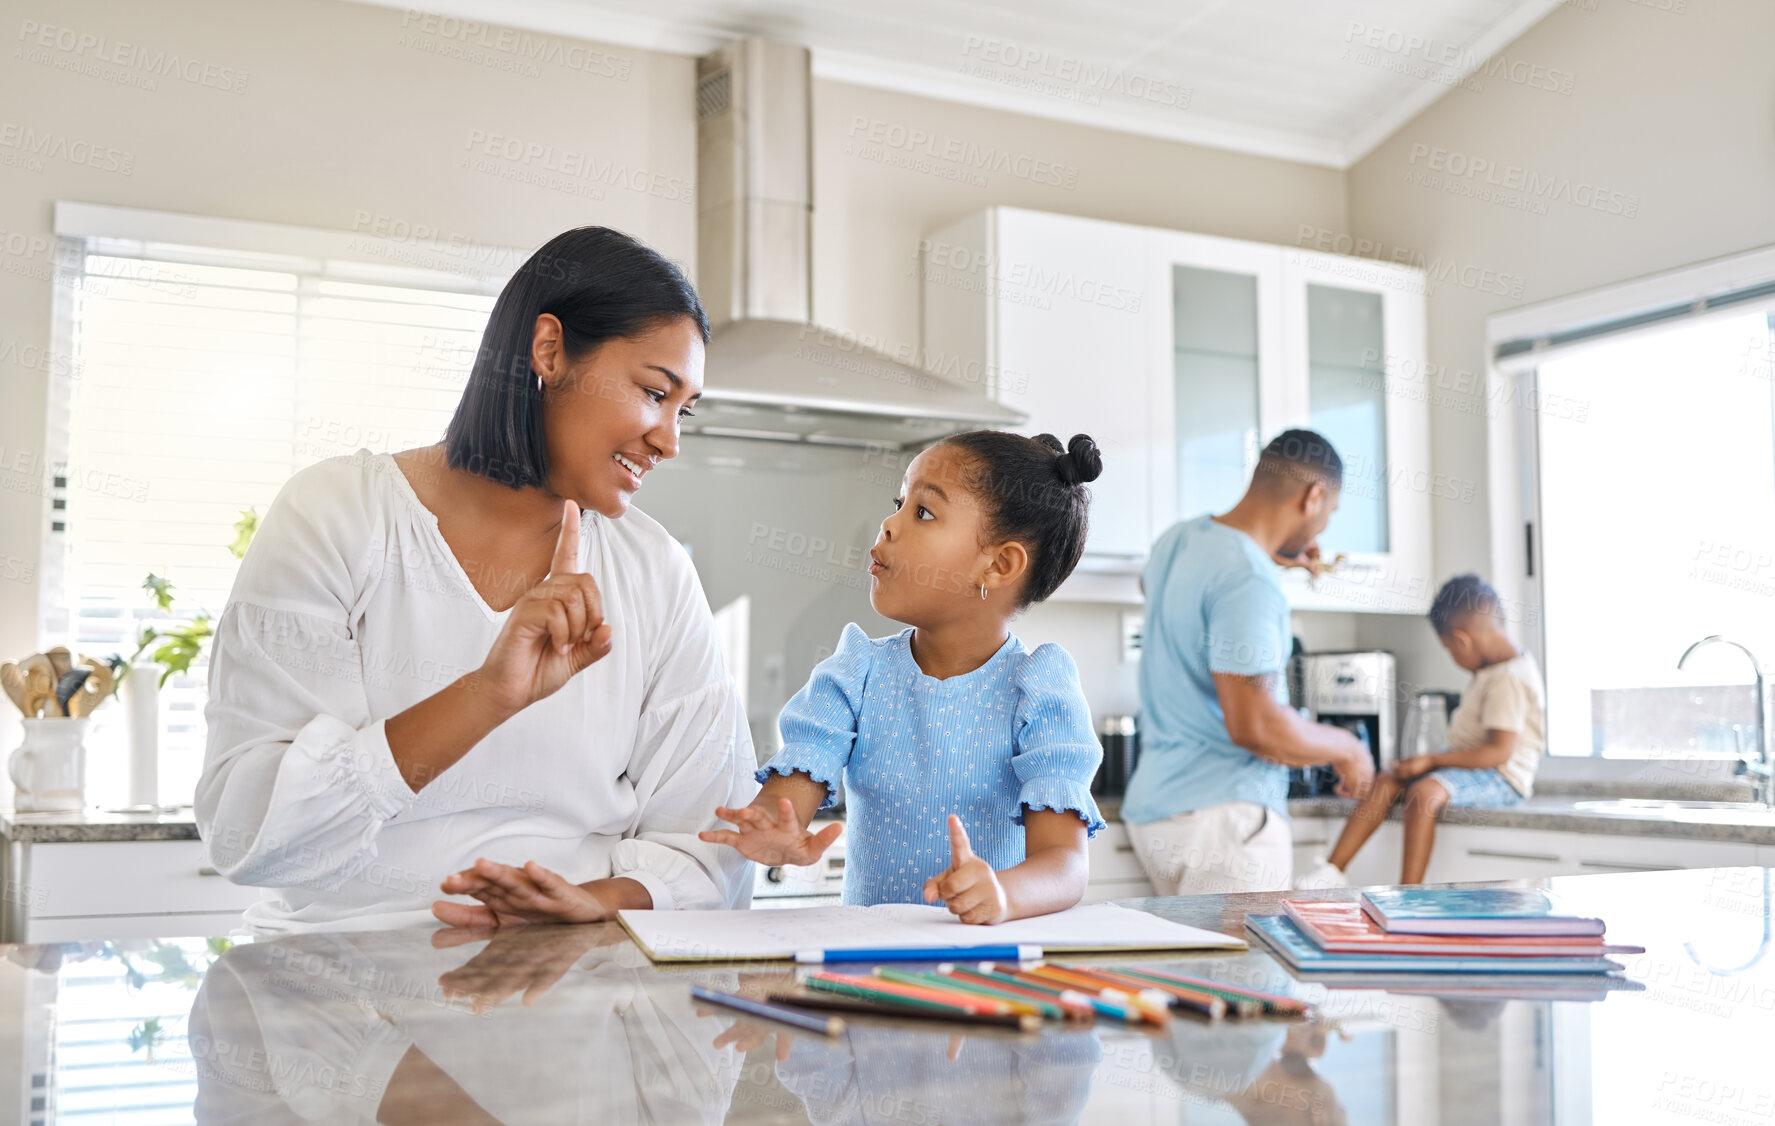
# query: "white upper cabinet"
(1055, 311)
(1181, 354)
(1353, 331)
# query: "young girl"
(953, 715)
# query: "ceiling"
(1317, 81)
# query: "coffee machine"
(1353, 690)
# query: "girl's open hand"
(969, 887)
(509, 896)
(771, 839)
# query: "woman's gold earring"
(982, 592)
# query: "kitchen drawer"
(95, 928)
(127, 878)
(1651, 854)
(1098, 891)
(1111, 855)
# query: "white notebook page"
(669, 936)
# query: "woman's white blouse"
(348, 609)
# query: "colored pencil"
(1155, 1006)
(971, 1003)
(1013, 986)
(875, 989)
(1114, 1007)
(1046, 1006)
(948, 984)
(903, 1009)
(1190, 1000)
(913, 954)
(825, 1026)
(1273, 1003)
(1089, 998)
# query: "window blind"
(200, 380)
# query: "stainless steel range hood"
(772, 374)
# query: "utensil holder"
(48, 769)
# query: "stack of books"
(1414, 931)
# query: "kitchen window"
(200, 377)
(1646, 446)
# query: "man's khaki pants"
(1231, 847)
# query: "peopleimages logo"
(1456, 166)
(89, 53)
(1457, 59)
(1066, 75)
(964, 156)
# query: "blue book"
(1514, 911)
(1299, 952)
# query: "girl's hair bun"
(1078, 461)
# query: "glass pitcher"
(1426, 726)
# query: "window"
(200, 379)
(1656, 481)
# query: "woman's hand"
(509, 896)
(768, 839)
(554, 631)
(529, 960)
(969, 887)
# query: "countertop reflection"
(574, 1025)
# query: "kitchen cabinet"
(1053, 310)
(80, 891)
(1181, 354)
(1115, 870)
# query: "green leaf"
(244, 529)
(161, 589)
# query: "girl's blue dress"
(912, 749)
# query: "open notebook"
(777, 935)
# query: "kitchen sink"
(1697, 812)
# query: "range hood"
(771, 373)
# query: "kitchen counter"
(97, 825)
(573, 1024)
(1560, 814)
(1556, 812)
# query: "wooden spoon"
(12, 679)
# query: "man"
(1207, 806)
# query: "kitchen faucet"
(1762, 767)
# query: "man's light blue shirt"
(1214, 604)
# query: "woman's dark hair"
(602, 285)
(1033, 491)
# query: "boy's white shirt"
(1505, 697)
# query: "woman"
(430, 667)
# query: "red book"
(1344, 928)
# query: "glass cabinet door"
(1347, 403)
(1216, 382)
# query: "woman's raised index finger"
(566, 560)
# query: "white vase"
(49, 768)
(140, 692)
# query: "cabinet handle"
(1125, 848)
(206, 870)
(1512, 855)
(1612, 865)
